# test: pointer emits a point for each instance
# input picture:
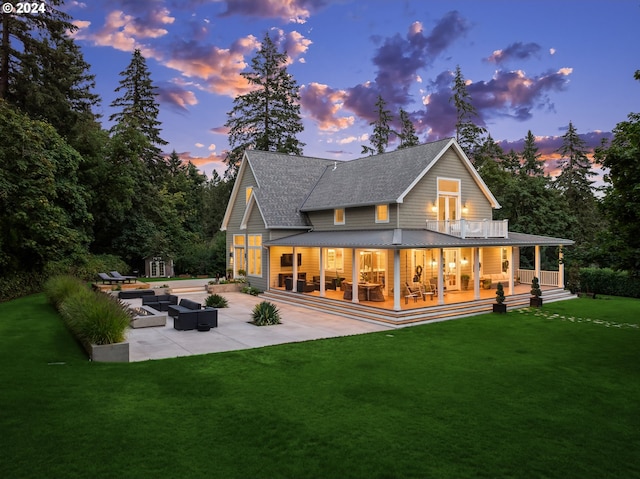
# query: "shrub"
(86, 266)
(499, 293)
(20, 284)
(58, 288)
(251, 290)
(216, 301)
(535, 288)
(95, 317)
(608, 281)
(265, 314)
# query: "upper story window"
(382, 213)
(247, 194)
(338, 216)
(448, 204)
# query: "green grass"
(520, 395)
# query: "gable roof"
(283, 182)
(384, 178)
(289, 186)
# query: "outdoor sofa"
(136, 293)
(160, 302)
(190, 315)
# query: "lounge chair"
(108, 279)
(117, 275)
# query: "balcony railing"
(471, 228)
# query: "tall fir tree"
(531, 164)
(268, 117)
(138, 109)
(575, 185)
(27, 38)
(381, 130)
(407, 134)
(469, 135)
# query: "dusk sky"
(531, 65)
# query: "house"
(399, 230)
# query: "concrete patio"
(235, 332)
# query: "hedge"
(608, 281)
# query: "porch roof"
(407, 238)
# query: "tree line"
(71, 190)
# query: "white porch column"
(321, 259)
(294, 286)
(396, 280)
(476, 273)
(560, 267)
(354, 275)
(511, 270)
(536, 260)
(441, 277)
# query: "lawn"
(551, 394)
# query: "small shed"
(158, 267)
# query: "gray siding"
(416, 208)
(360, 218)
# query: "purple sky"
(530, 65)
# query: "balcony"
(471, 228)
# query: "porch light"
(464, 261)
(434, 208)
(465, 210)
(433, 262)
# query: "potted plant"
(499, 306)
(535, 301)
(465, 281)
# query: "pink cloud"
(323, 104)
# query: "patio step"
(406, 317)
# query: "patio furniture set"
(187, 314)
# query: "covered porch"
(400, 270)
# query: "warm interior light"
(452, 265)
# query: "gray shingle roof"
(284, 181)
(373, 179)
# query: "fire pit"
(144, 317)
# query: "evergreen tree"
(468, 134)
(531, 164)
(268, 117)
(407, 134)
(574, 178)
(381, 130)
(26, 38)
(138, 109)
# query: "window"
(247, 194)
(334, 260)
(255, 255)
(338, 216)
(448, 199)
(238, 253)
(382, 213)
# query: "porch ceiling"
(407, 238)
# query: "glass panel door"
(451, 269)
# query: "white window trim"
(335, 216)
(250, 249)
(379, 220)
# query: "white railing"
(471, 228)
(547, 278)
